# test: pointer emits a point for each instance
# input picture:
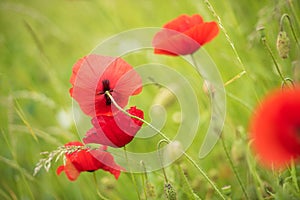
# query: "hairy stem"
(168, 140)
(234, 168)
(131, 174)
(291, 26)
(263, 39)
(97, 189)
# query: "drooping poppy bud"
(283, 44)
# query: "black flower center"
(105, 88)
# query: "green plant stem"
(195, 64)
(273, 59)
(294, 13)
(291, 26)
(294, 175)
(96, 184)
(161, 160)
(168, 140)
(252, 168)
(212, 10)
(242, 66)
(131, 174)
(144, 179)
(236, 77)
(234, 168)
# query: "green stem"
(291, 26)
(236, 77)
(234, 168)
(144, 179)
(131, 174)
(98, 192)
(168, 140)
(263, 39)
(294, 176)
(211, 8)
(160, 159)
(294, 13)
(195, 64)
(253, 172)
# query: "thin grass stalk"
(168, 140)
(234, 168)
(131, 174)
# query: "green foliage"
(41, 40)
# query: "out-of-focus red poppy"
(93, 75)
(88, 161)
(275, 128)
(184, 35)
(115, 131)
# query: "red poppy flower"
(275, 128)
(93, 75)
(184, 35)
(115, 131)
(88, 161)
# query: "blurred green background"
(41, 40)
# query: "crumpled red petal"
(88, 161)
(115, 131)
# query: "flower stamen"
(106, 87)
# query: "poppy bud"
(108, 183)
(150, 190)
(174, 151)
(296, 71)
(237, 151)
(170, 192)
(283, 44)
(227, 190)
(165, 97)
(177, 117)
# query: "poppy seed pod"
(170, 192)
(283, 44)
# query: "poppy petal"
(85, 160)
(174, 43)
(88, 77)
(60, 169)
(184, 35)
(71, 171)
(274, 128)
(115, 131)
(108, 162)
(184, 22)
(203, 33)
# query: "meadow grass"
(41, 40)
